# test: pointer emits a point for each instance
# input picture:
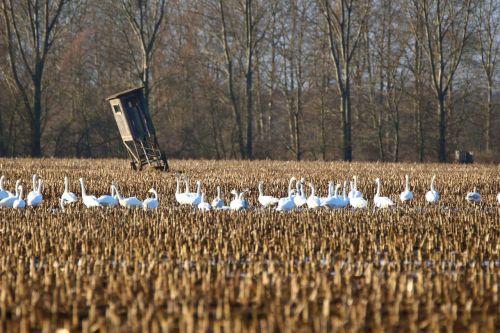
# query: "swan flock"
(297, 196)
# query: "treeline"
(296, 79)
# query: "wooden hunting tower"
(137, 130)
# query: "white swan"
(432, 195)
(329, 194)
(181, 197)
(381, 202)
(4, 193)
(358, 203)
(498, 197)
(354, 193)
(332, 200)
(473, 196)
(108, 200)
(151, 203)
(266, 200)
(300, 199)
(194, 198)
(343, 200)
(130, 202)
(313, 200)
(9, 201)
(406, 195)
(287, 203)
(67, 196)
(35, 197)
(203, 205)
(88, 200)
(218, 202)
(19, 203)
(239, 203)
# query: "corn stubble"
(408, 269)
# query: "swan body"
(4, 193)
(406, 195)
(35, 197)
(432, 195)
(354, 193)
(107, 200)
(151, 203)
(239, 203)
(266, 200)
(379, 201)
(218, 202)
(287, 203)
(19, 203)
(67, 196)
(203, 205)
(130, 202)
(358, 203)
(473, 196)
(9, 201)
(88, 200)
(313, 200)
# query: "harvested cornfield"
(415, 267)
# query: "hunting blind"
(136, 129)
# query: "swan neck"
(177, 188)
(82, 185)
(66, 189)
(312, 189)
(261, 191)
(118, 193)
(34, 183)
(378, 188)
(407, 183)
(18, 184)
(290, 184)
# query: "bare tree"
(446, 26)
(489, 47)
(145, 18)
(345, 20)
(228, 54)
(29, 31)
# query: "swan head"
(377, 180)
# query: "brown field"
(408, 269)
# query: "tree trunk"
(36, 122)
(346, 118)
(442, 128)
(249, 92)
(489, 110)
